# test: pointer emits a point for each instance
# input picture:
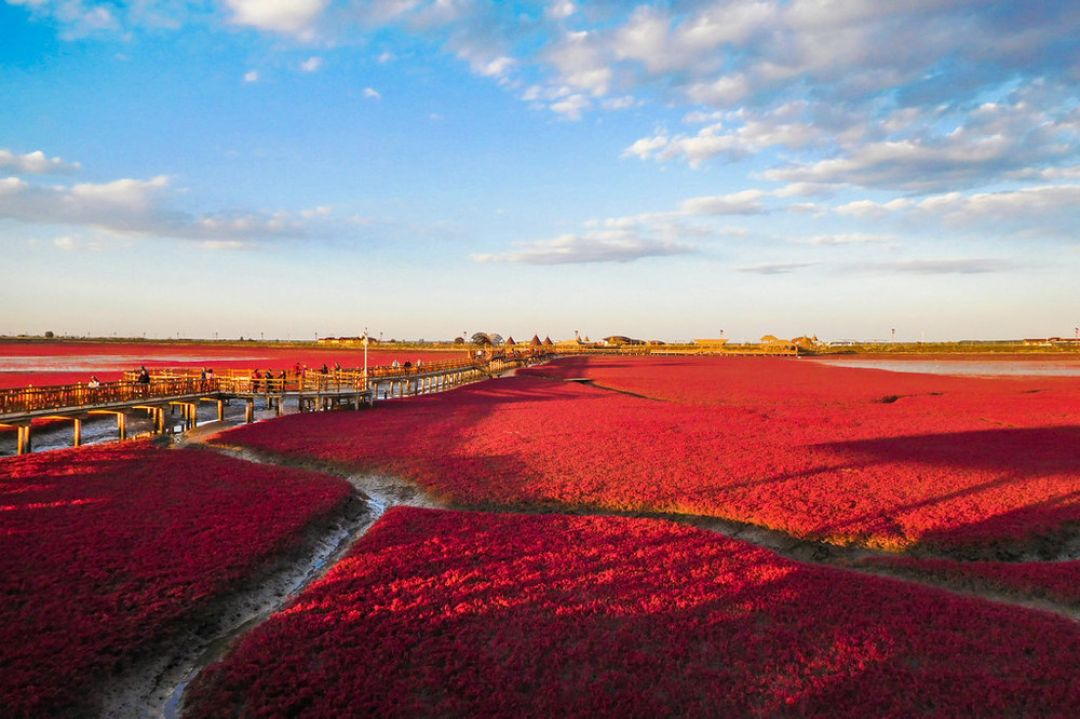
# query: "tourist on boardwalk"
(202, 375)
(395, 364)
(298, 370)
(255, 381)
(324, 369)
(269, 379)
(94, 382)
(144, 375)
(209, 373)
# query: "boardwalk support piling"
(24, 445)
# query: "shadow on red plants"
(844, 471)
(106, 551)
(1005, 463)
(455, 614)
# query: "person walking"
(94, 382)
(255, 381)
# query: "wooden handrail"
(188, 381)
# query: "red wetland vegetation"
(551, 601)
(972, 467)
(437, 613)
(105, 551)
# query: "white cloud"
(78, 18)
(35, 163)
(497, 67)
(750, 134)
(571, 106)
(66, 243)
(320, 211)
(697, 117)
(290, 17)
(228, 244)
(597, 246)
(805, 189)
(845, 238)
(721, 92)
(1046, 210)
(132, 207)
(746, 202)
(963, 266)
(372, 94)
(994, 141)
(385, 57)
(561, 9)
(251, 76)
(775, 268)
(312, 64)
(581, 64)
(632, 237)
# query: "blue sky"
(671, 169)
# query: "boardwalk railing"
(69, 396)
(186, 388)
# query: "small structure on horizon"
(621, 340)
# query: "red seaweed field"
(104, 551)
(438, 613)
(973, 467)
(575, 565)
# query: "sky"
(670, 170)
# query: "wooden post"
(277, 406)
(121, 425)
(221, 410)
(159, 420)
(193, 408)
(249, 410)
(76, 440)
(23, 440)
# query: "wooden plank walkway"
(188, 388)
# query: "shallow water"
(968, 368)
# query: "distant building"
(345, 341)
(717, 343)
(620, 340)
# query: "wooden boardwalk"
(186, 389)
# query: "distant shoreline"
(985, 349)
